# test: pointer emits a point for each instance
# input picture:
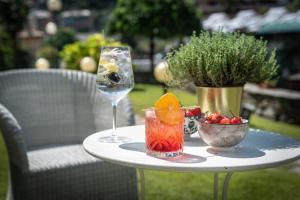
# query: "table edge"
(197, 169)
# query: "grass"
(150, 93)
(145, 95)
(269, 184)
(281, 127)
(3, 169)
(276, 183)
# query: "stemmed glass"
(115, 80)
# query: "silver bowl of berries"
(221, 131)
(192, 117)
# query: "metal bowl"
(223, 135)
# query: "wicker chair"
(44, 117)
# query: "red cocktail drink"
(164, 139)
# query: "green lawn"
(145, 95)
(276, 184)
(266, 124)
(3, 169)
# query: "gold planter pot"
(224, 100)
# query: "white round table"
(260, 149)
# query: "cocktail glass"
(162, 139)
(115, 80)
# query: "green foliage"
(6, 52)
(23, 58)
(221, 59)
(61, 38)
(87, 4)
(50, 53)
(230, 6)
(153, 19)
(157, 18)
(294, 5)
(73, 53)
(10, 57)
(12, 17)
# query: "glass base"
(159, 154)
(114, 139)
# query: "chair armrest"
(12, 134)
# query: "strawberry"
(225, 120)
(236, 120)
(215, 118)
(208, 121)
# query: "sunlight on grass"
(145, 95)
(276, 183)
(270, 125)
(269, 184)
(3, 169)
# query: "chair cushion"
(69, 173)
(58, 157)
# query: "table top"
(260, 149)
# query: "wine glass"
(115, 80)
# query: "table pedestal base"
(216, 185)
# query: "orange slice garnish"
(167, 109)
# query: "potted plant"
(220, 64)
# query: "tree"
(231, 7)
(154, 19)
(87, 4)
(294, 5)
(12, 17)
(61, 38)
(6, 52)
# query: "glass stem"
(114, 133)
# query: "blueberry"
(114, 77)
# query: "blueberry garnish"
(114, 77)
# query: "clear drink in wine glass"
(115, 80)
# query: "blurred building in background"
(231, 6)
(277, 24)
(79, 20)
(270, 19)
